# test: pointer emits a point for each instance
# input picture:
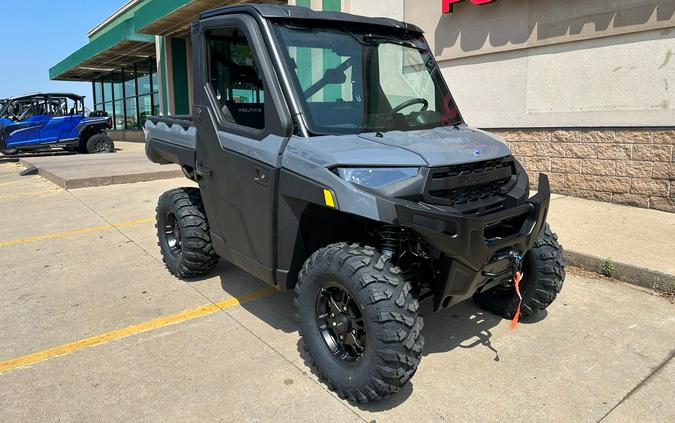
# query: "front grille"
(471, 184)
(471, 194)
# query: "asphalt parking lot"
(93, 328)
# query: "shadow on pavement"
(14, 158)
(463, 326)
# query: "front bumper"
(473, 246)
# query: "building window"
(118, 90)
(145, 90)
(143, 72)
(118, 118)
(145, 107)
(155, 104)
(107, 89)
(129, 81)
(108, 107)
(98, 93)
(129, 95)
(132, 113)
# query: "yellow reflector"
(328, 196)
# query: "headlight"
(377, 176)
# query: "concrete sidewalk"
(638, 244)
(128, 165)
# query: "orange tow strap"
(516, 281)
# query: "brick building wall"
(635, 167)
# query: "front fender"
(96, 123)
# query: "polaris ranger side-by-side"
(331, 159)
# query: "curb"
(628, 273)
(100, 181)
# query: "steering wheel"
(24, 115)
(412, 102)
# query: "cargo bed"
(171, 139)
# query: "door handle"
(260, 177)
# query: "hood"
(445, 146)
(434, 148)
(352, 150)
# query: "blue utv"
(46, 121)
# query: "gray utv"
(332, 159)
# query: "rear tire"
(99, 144)
(183, 233)
(543, 278)
(379, 311)
(9, 152)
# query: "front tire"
(183, 233)
(373, 345)
(543, 279)
(99, 144)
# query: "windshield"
(358, 80)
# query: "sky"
(37, 34)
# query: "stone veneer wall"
(635, 167)
(128, 136)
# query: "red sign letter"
(448, 4)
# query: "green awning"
(119, 46)
(174, 17)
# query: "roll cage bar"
(43, 103)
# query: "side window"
(57, 107)
(235, 78)
(25, 109)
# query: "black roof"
(32, 95)
(271, 11)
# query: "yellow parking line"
(31, 194)
(74, 232)
(65, 349)
(24, 179)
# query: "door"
(30, 117)
(57, 125)
(238, 114)
(24, 133)
(63, 119)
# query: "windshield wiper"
(381, 39)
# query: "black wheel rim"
(173, 234)
(341, 324)
(100, 146)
